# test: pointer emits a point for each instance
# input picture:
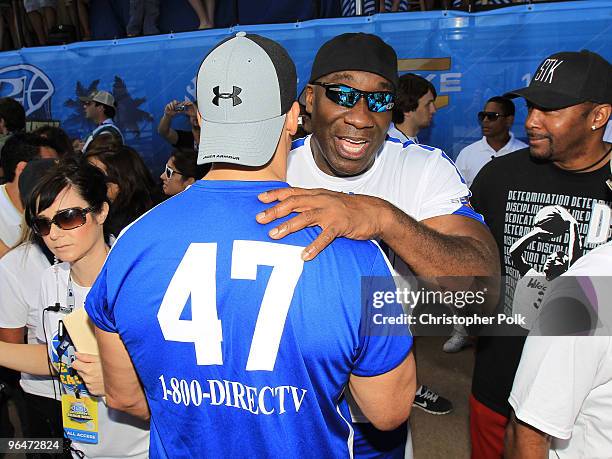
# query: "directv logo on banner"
(29, 86)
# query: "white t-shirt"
(10, 220)
(395, 133)
(563, 385)
(473, 157)
(20, 273)
(421, 181)
(120, 435)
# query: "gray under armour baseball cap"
(102, 97)
(245, 87)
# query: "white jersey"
(395, 133)
(10, 220)
(563, 385)
(421, 181)
(20, 273)
(473, 157)
(120, 435)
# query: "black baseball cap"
(569, 78)
(356, 51)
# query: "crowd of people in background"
(55, 22)
(64, 202)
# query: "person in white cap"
(243, 349)
(100, 108)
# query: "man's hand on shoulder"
(338, 214)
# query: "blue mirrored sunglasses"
(345, 96)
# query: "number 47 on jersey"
(196, 275)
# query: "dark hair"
(186, 162)
(101, 143)
(107, 109)
(57, 139)
(125, 167)
(73, 172)
(410, 89)
(18, 147)
(13, 114)
(506, 104)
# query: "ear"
(21, 165)
(601, 115)
(101, 216)
(291, 122)
(509, 121)
(309, 96)
(189, 181)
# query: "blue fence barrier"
(468, 57)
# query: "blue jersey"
(242, 348)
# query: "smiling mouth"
(351, 148)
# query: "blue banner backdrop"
(468, 57)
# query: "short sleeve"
(13, 309)
(99, 309)
(461, 163)
(383, 346)
(553, 380)
(446, 192)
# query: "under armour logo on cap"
(227, 95)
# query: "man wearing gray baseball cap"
(100, 107)
(243, 349)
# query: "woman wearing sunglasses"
(181, 171)
(67, 211)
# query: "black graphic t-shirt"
(543, 219)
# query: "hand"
(338, 214)
(89, 368)
(190, 109)
(169, 110)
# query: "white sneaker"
(455, 343)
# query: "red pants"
(487, 429)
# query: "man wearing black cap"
(412, 198)
(100, 108)
(559, 179)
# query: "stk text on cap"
(569, 78)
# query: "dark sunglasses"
(170, 172)
(491, 116)
(66, 219)
(345, 96)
